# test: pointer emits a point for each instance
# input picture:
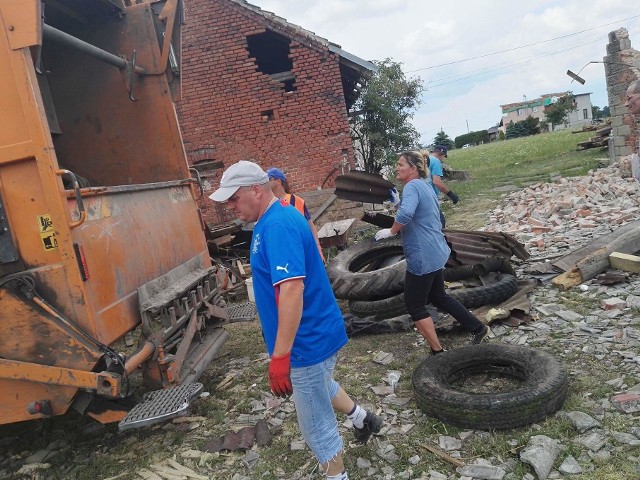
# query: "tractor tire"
(473, 297)
(542, 392)
(368, 270)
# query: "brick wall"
(225, 97)
(619, 75)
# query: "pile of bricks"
(568, 212)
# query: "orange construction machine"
(100, 234)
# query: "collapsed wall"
(621, 66)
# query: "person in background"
(302, 325)
(426, 252)
(633, 98)
(280, 188)
(435, 168)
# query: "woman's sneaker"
(372, 424)
(477, 338)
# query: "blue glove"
(394, 196)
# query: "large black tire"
(368, 270)
(542, 392)
(356, 325)
(505, 286)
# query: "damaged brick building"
(258, 87)
(622, 66)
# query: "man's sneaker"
(477, 338)
(436, 352)
(372, 424)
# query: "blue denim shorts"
(313, 389)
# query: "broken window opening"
(267, 115)
(270, 50)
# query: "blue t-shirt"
(425, 247)
(435, 168)
(283, 248)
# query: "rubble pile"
(568, 212)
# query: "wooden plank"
(598, 261)
(221, 241)
(443, 455)
(625, 262)
(324, 206)
(569, 261)
(568, 279)
(241, 268)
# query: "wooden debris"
(224, 240)
(600, 139)
(226, 382)
(186, 471)
(147, 474)
(625, 262)
(610, 278)
(323, 207)
(597, 261)
(568, 279)
(443, 455)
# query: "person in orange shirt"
(280, 188)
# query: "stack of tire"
(371, 274)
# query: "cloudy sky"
(473, 56)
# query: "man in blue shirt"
(435, 169)
(302, 324)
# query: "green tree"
(596, 112)
(531, 125)
(472, 138)
(381, 117)
(558, 112)
(443, 139)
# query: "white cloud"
(422, 34)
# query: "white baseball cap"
(241, 174)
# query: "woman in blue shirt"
(426, 252)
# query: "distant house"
(258, 87)
(516, 112)
(583, 115)
(493, 133)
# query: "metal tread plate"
(240, 312)
(161, 405)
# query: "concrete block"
(624, 261)
(624, 130)
(619, 141)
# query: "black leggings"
(419, 290)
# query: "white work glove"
(394, 196)
(384, 233)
